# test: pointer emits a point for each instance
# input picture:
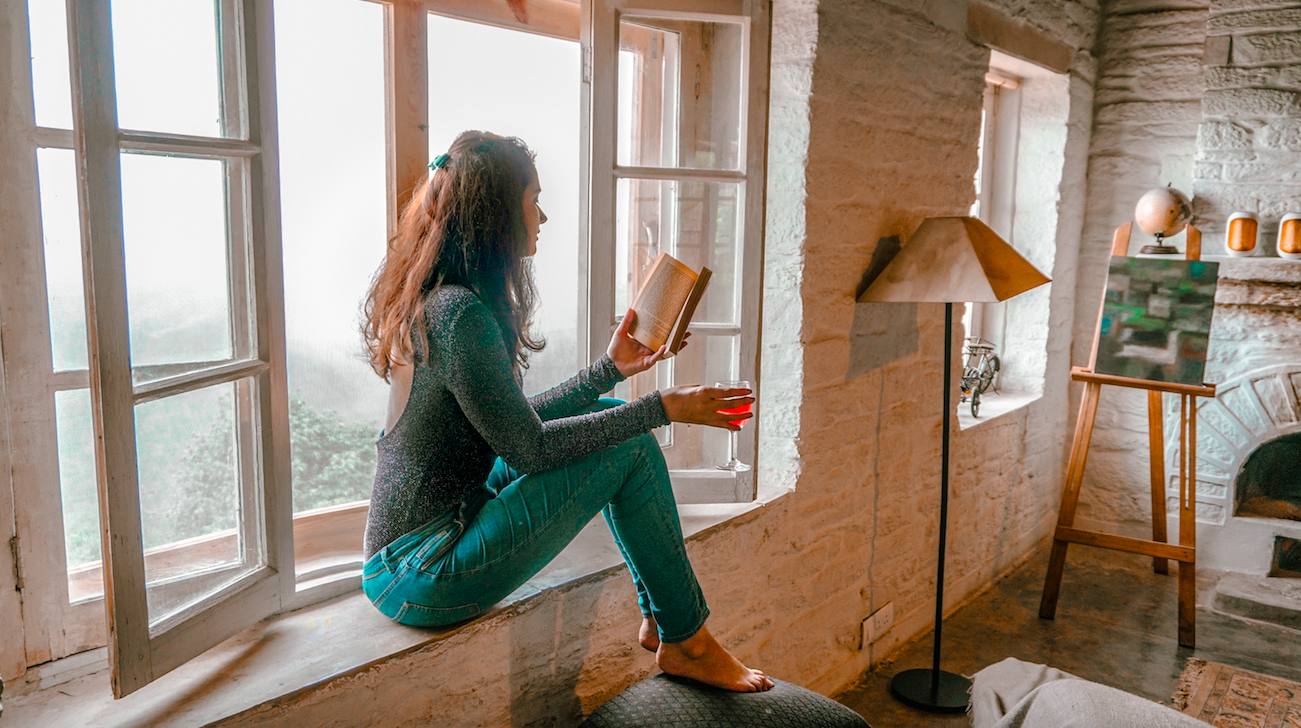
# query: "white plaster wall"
(875, 119)
(1148, 107)
(1249, 145)
(1074, 22)
(794, 46)
(1166, 113)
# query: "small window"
(1018, 185)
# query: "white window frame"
(996, 197)
(140, 651)
(50, 627)
(601, 173)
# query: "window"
(194, 389)
(1018, 188)
(678, 99)
(334, 220)
(995, 203)
(537, 102)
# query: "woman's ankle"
(649, 634)
(694, 646)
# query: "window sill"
(283, 655)
(992, 406)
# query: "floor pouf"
(662, 701)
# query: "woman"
(477, 488)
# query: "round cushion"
(663, 700)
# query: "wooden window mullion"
(113, 409)
(407, 97)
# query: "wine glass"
(733, 465)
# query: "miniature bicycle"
(979, 370)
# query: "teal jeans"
(457, 566)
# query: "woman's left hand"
(629, 355)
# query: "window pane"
(167, 65)
(76, 439)
(706, 360)
(538, 101)
(330, 83)
(199, 492)
(51, 82)
(682, 83)
(177, 267)
(61, 226)
(696, 222)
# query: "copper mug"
(1240, 238)
(1289, 236)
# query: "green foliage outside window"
(333, 462)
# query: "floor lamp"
(948, 260)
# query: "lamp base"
(913, 688)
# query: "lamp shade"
(954, 260)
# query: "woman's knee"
(645, 457)
(646, 445)
(602, 403)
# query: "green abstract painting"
(1156, 319)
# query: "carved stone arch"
(1248, 410)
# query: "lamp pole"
(935, 690)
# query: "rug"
(1228, 697)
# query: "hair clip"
(440, 161)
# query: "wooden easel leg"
(1188, 519)
(1070, 498)
(1156, 446)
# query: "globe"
(1163, 211)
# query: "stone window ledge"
(992, 406)
(297, 651)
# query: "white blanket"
(1016, 694)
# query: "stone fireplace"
(1249, 436)
(1269, 485)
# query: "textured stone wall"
(1255, 341)
(875, 120)
(1249, 144)
(1147, 110)
(1205, 95)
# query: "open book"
(666, 303)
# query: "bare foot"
(700, 657)
(649, 634)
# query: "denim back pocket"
(436, 546)
(443, 529)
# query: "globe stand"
(1193, 242)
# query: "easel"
(1186, 551)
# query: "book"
(666, 302)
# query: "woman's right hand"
(699, 405)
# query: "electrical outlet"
(875, 626)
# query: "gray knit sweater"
(466, 409)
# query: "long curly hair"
(465, 226)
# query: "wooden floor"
(1115, 624)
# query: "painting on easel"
(1156, 319)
